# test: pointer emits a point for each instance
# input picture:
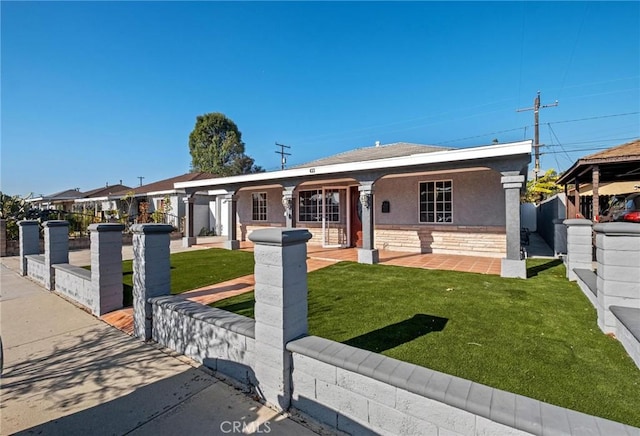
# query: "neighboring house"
(592, 179)
(98, 202)
(403, 197)
(140, 203)
(60, 201)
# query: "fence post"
(29, 232)
(618, 269)
(559, 237)
(56, 249)
(3, 238)
(151, 272)
(106, 267)
(579, 246)
(280, 308)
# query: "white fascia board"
(456, 155)
(170, 192)
(91, 199)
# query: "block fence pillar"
(280, 309)
(56, 248)
(106, 267)
(3, 238)
(29, 232)
(579, 246)
(618, 269)
(151, 272)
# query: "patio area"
(317, 255)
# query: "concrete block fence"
(339, 386)
(99, 290)
(614, 287)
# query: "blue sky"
(97, 92)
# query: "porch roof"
(418, 158)
(620, 163)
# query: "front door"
(356, 217)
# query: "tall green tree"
(216, 146)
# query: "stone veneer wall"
(220, 340)
(360, 392)
(464, 240)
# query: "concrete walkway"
(67, 372)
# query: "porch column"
(232, 242)
(576, 198)
(56, 248)
(595, 204)
(368, 253)
(289, 206)
(513, 265)
(29, 242)
(189, 238)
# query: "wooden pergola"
(612, 167)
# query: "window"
(310, 205)
(436, 205)
(259, 206)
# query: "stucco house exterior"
(401, 196)
(63, 200)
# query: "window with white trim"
(310, 204)
(436, 203)
(259, 206)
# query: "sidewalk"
(67, 372)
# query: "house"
(592, 179)
(139, 204)
(97, 202)
(401, 196)
(63, 200)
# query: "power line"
(596, 118)
(479, 136)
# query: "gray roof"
(397, 149)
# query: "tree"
(216, 146)
(544, 187)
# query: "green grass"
(537, 338)
(194, 269)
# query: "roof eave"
(452, 155)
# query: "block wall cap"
(152, 228)
(280, 236)
(577, 222)
(56, 223)
(618, 229)
(106, 227)
(28, 223)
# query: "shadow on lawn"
(399, 333)
(534, 270)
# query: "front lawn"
(535, 337)
(195, 269)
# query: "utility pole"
(282, 153)
(140, 177)
(536, 136)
